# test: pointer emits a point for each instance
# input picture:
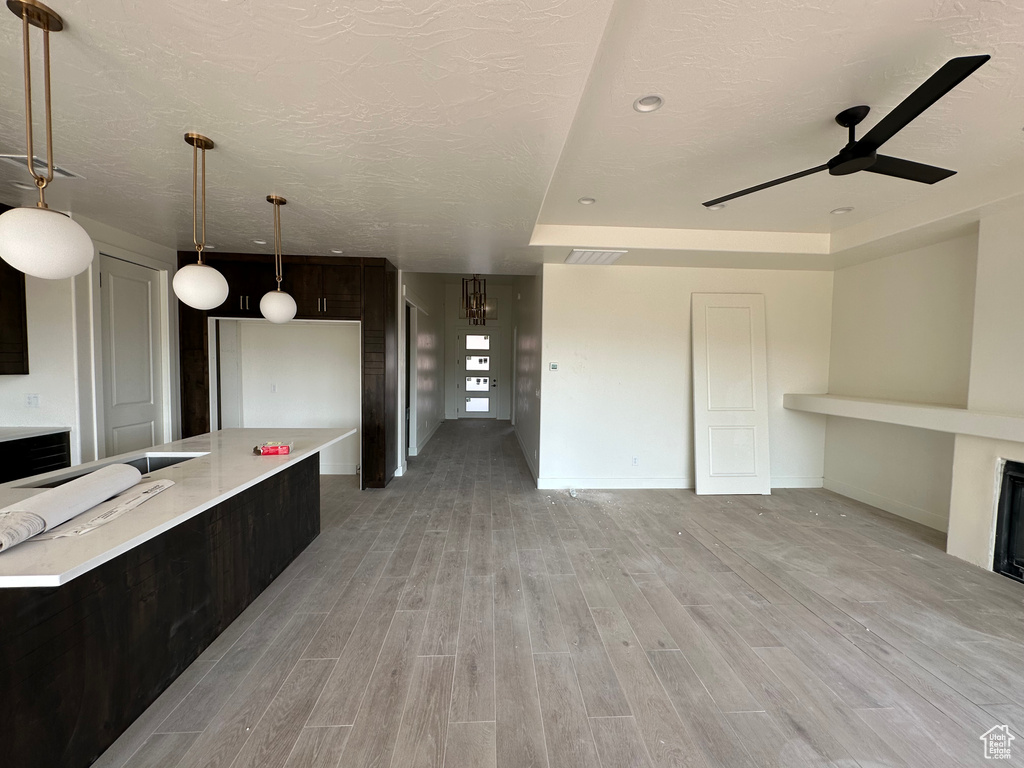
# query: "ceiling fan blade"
(908, 169)
(949, 75)
(759, 187)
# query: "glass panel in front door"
(478, 379)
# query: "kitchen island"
(93, 628)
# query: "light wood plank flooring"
(461, 618)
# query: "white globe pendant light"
(199, 285)
(44, 243)
(37, 241)
(277, 305)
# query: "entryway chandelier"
(199, 285)
(38, 241)
(277, 306)
(474, 300)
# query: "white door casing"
(132, 374)
(477, 366)
(730, 394)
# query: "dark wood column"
(377, 293)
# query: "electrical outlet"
(553, 366)
(32, 401)
(636, 461)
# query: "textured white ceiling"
(751, 90)
(429, 131)
(424, 131)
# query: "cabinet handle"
(318, 305)
(247, 302)
(325, 303)
(241, 302)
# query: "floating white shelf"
(939, 418)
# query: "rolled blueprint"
(52, 507)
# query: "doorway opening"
(297, 374)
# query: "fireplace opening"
(1009, 554)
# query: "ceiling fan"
(862, 154)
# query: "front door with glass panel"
(478, 366)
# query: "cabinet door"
(13, 321)
(342, 291)
(305, 283)
(245, 288)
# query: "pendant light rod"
(199, 285)
(198, 143)
(277, 201)
(37, 15)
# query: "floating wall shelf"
(939, 418)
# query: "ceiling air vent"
(581, 256)
(40, 164)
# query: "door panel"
(478, 383)
(304, 283)
(247, 282)
(730, 394)
(132, 397)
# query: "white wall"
(51, 364)
(621, 338)
(426, 293)
(528, 327)
(997, 373)
(901, 330)
(300, 374)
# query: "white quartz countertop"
(223, 466)
(20, 433)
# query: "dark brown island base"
(79, 662)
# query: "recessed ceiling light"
(650, 103)
(840, 211)
(587, 201)
(336, 250)
(718, 207)
(23, 185)
(260, 242)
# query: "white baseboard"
(798, 482)
(898, 508)
(632, 483)
(613, 483)
(526, 455)
(399, 470)
(422, 443)
(337, 469)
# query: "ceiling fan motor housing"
(849, 160)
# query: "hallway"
(462, 618)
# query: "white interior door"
(730, 394)
(477, 383)
(132, 397)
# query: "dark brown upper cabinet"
(325, 291)
(13, 319)
(247, 282)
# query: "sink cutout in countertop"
(146, 463)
